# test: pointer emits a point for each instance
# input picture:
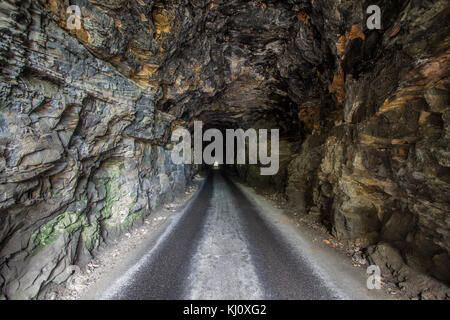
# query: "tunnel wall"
(83, 154)
(377, 171)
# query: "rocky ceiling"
(236, 63)
(228, 62)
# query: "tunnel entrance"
(237, 147)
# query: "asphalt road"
(220, 247)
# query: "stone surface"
(83, 155)
(376, 166)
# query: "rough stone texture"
(393, 268)
(85, 117)
(384, 172)
(376, 167)
(82, 156)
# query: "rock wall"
(378, 172)
(83, 154)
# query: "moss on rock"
(67, 222)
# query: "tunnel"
(331, 118)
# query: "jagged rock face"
(228, 63)
(376, 167)
(86, 114)
(382, 173)
(82, 155)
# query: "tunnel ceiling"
(247, 61)
(229, 63)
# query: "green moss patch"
(66, 222)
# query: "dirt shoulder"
(398, 280)
(119, 255)
(345, 265)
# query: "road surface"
(221, 246)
